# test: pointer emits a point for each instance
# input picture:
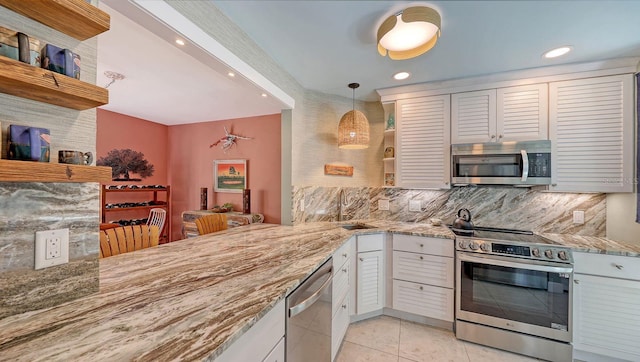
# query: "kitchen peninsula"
(192, 299)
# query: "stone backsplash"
(29, 207)
(505, 207)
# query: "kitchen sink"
(356, 226)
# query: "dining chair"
(125, 239)
(211, 223)
(157, 217)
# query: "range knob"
(473, 245)
(562, 255)
(484, 247)
(462, 244)
(548, 253)
(535, 252)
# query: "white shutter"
(522, 113)
(591, 129)
(370, 289)
(473, 117)
(423, 146)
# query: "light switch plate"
(52, 248)
(415, 205)
(578, 217)
(383, 205)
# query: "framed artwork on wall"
(229, 175)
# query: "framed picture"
(229, 175)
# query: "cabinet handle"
(493, 136)
(576, 281)
(499, 136)
(361, 259)
(344, 270)
(421, 257)
(344, 306)
(620, 267)
(421, 288)
(345, 255)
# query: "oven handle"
(525, 165)
(509, 264)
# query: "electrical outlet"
(578, 217)
(415, 205)
(302, 204)
(383, 205)
(52, 248)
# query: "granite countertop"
(594, 244)
(186, 300)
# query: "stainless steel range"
(513, 292)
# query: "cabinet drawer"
(624, 267)
(339, 325)
(425, 269)
(370, 242)
(340, 285)
(343, 254)
(424, 300)
(421, 244)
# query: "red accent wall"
(183, 159)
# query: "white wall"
(621, 218)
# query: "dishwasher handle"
(302, 306)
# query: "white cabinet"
(606, 307)
(340, 294)
(370, 273)
(591, 126)
(423, 152)
(423, 276)
(517, 113)
(266, 339)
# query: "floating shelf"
(76, 18)
(26, 171)
(26, 81)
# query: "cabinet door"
(339, 326)
(592, 134)
(473, 117)
(423, 142)
(370, 284)
(606, 320)
(522, 113)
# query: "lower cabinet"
(265, 339)
(370, 273)
(341, 293)
(339, 325)
(606, 305)
(423, 276)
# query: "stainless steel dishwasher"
(308, 329)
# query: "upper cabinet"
(592, 134)
(495, 115)
(423, 147)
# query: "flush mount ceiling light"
(353, 129)
(554, 53)
(401, 75)
(409, 33)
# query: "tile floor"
(386, 339)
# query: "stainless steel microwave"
(502, 163)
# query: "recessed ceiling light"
(231, 74)
(264, 95)
(553, 53)
(179, 41)
(401, 75)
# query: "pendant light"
(353, 129)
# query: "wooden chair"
(211, 223)
(127, 238)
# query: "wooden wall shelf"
(26, 171)
(26, 81)
(76, 18)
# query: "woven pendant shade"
(353, 129)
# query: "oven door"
(527, 296)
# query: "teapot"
(463, 221)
